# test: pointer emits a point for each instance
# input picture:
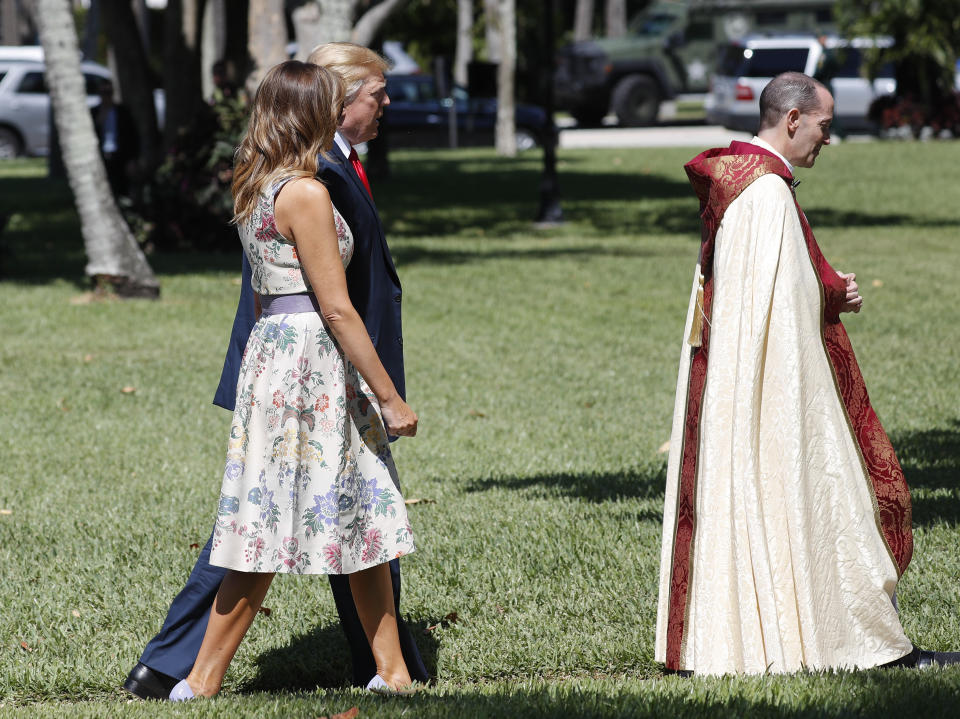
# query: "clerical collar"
(767, 146)
(342, 143)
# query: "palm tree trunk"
(583, 20)
(369, 24)
(616, 18)
(133, 74)
(181, 66)
(266, 39)
(464, 52)
(506, 136)
(112, 251)
(319, 21)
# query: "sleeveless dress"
(309, 486)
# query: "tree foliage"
(926, 37)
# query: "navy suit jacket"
(371, 281)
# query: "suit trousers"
(174, 649)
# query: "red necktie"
(358, 167)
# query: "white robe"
(788, 566)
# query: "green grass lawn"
(542, 363)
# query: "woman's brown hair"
(295, 113)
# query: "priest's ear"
(793, 120)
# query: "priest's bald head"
(795, 116)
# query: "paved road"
(696, 136)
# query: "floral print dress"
(309, 486)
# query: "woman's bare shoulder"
(303, 194)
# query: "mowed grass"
(542, 363)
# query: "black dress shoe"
(909, 660)
(148, 683)
(937, 659)
(923, 659)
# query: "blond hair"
(293, 119)
(354, 63)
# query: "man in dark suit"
(375, 292)
(117, 138)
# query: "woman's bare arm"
(304, 215)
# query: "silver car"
(749, 64)
(25, 101)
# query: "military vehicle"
(670, 48)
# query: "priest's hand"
(854, 301)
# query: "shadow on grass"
(931, 464)
(828, 217)
(645, 483)
(321, 658)
(462, 196)
(407, 253)
(867, 695)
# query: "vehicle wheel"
(588, 116)
(9, 144)
(636, 101)
(526, 139)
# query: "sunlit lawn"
(542, 363)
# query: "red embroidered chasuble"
(719, 176)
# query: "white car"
(25, 101)
(749, 64)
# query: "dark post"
(550, 212)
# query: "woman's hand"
(399, 418)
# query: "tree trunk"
(213, 43)
(491, 11)
(133, 77)
(319, 21)
(266, 39)
(91, 30)
(616, 18)
(181, 66)
(583, 20)
(464, 52)
(506, 136)
(369, 24)
(112, 252)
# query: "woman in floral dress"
(309, 486)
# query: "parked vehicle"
(418, 117)
(670, 48)
(748, 65)
(25, 100)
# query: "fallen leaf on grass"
(128, 389)
(665, 447)
(419, 500)
(588, 404)
(194, 546)
(348, 714)
(877, 283)
(25, 647)
(451, 618)
(475, 413)
(6, 511)
(83, 299)
(265, 611)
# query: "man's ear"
(793, 120)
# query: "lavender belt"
(288, 304)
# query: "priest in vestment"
(787, 519)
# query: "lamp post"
(550, 212)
